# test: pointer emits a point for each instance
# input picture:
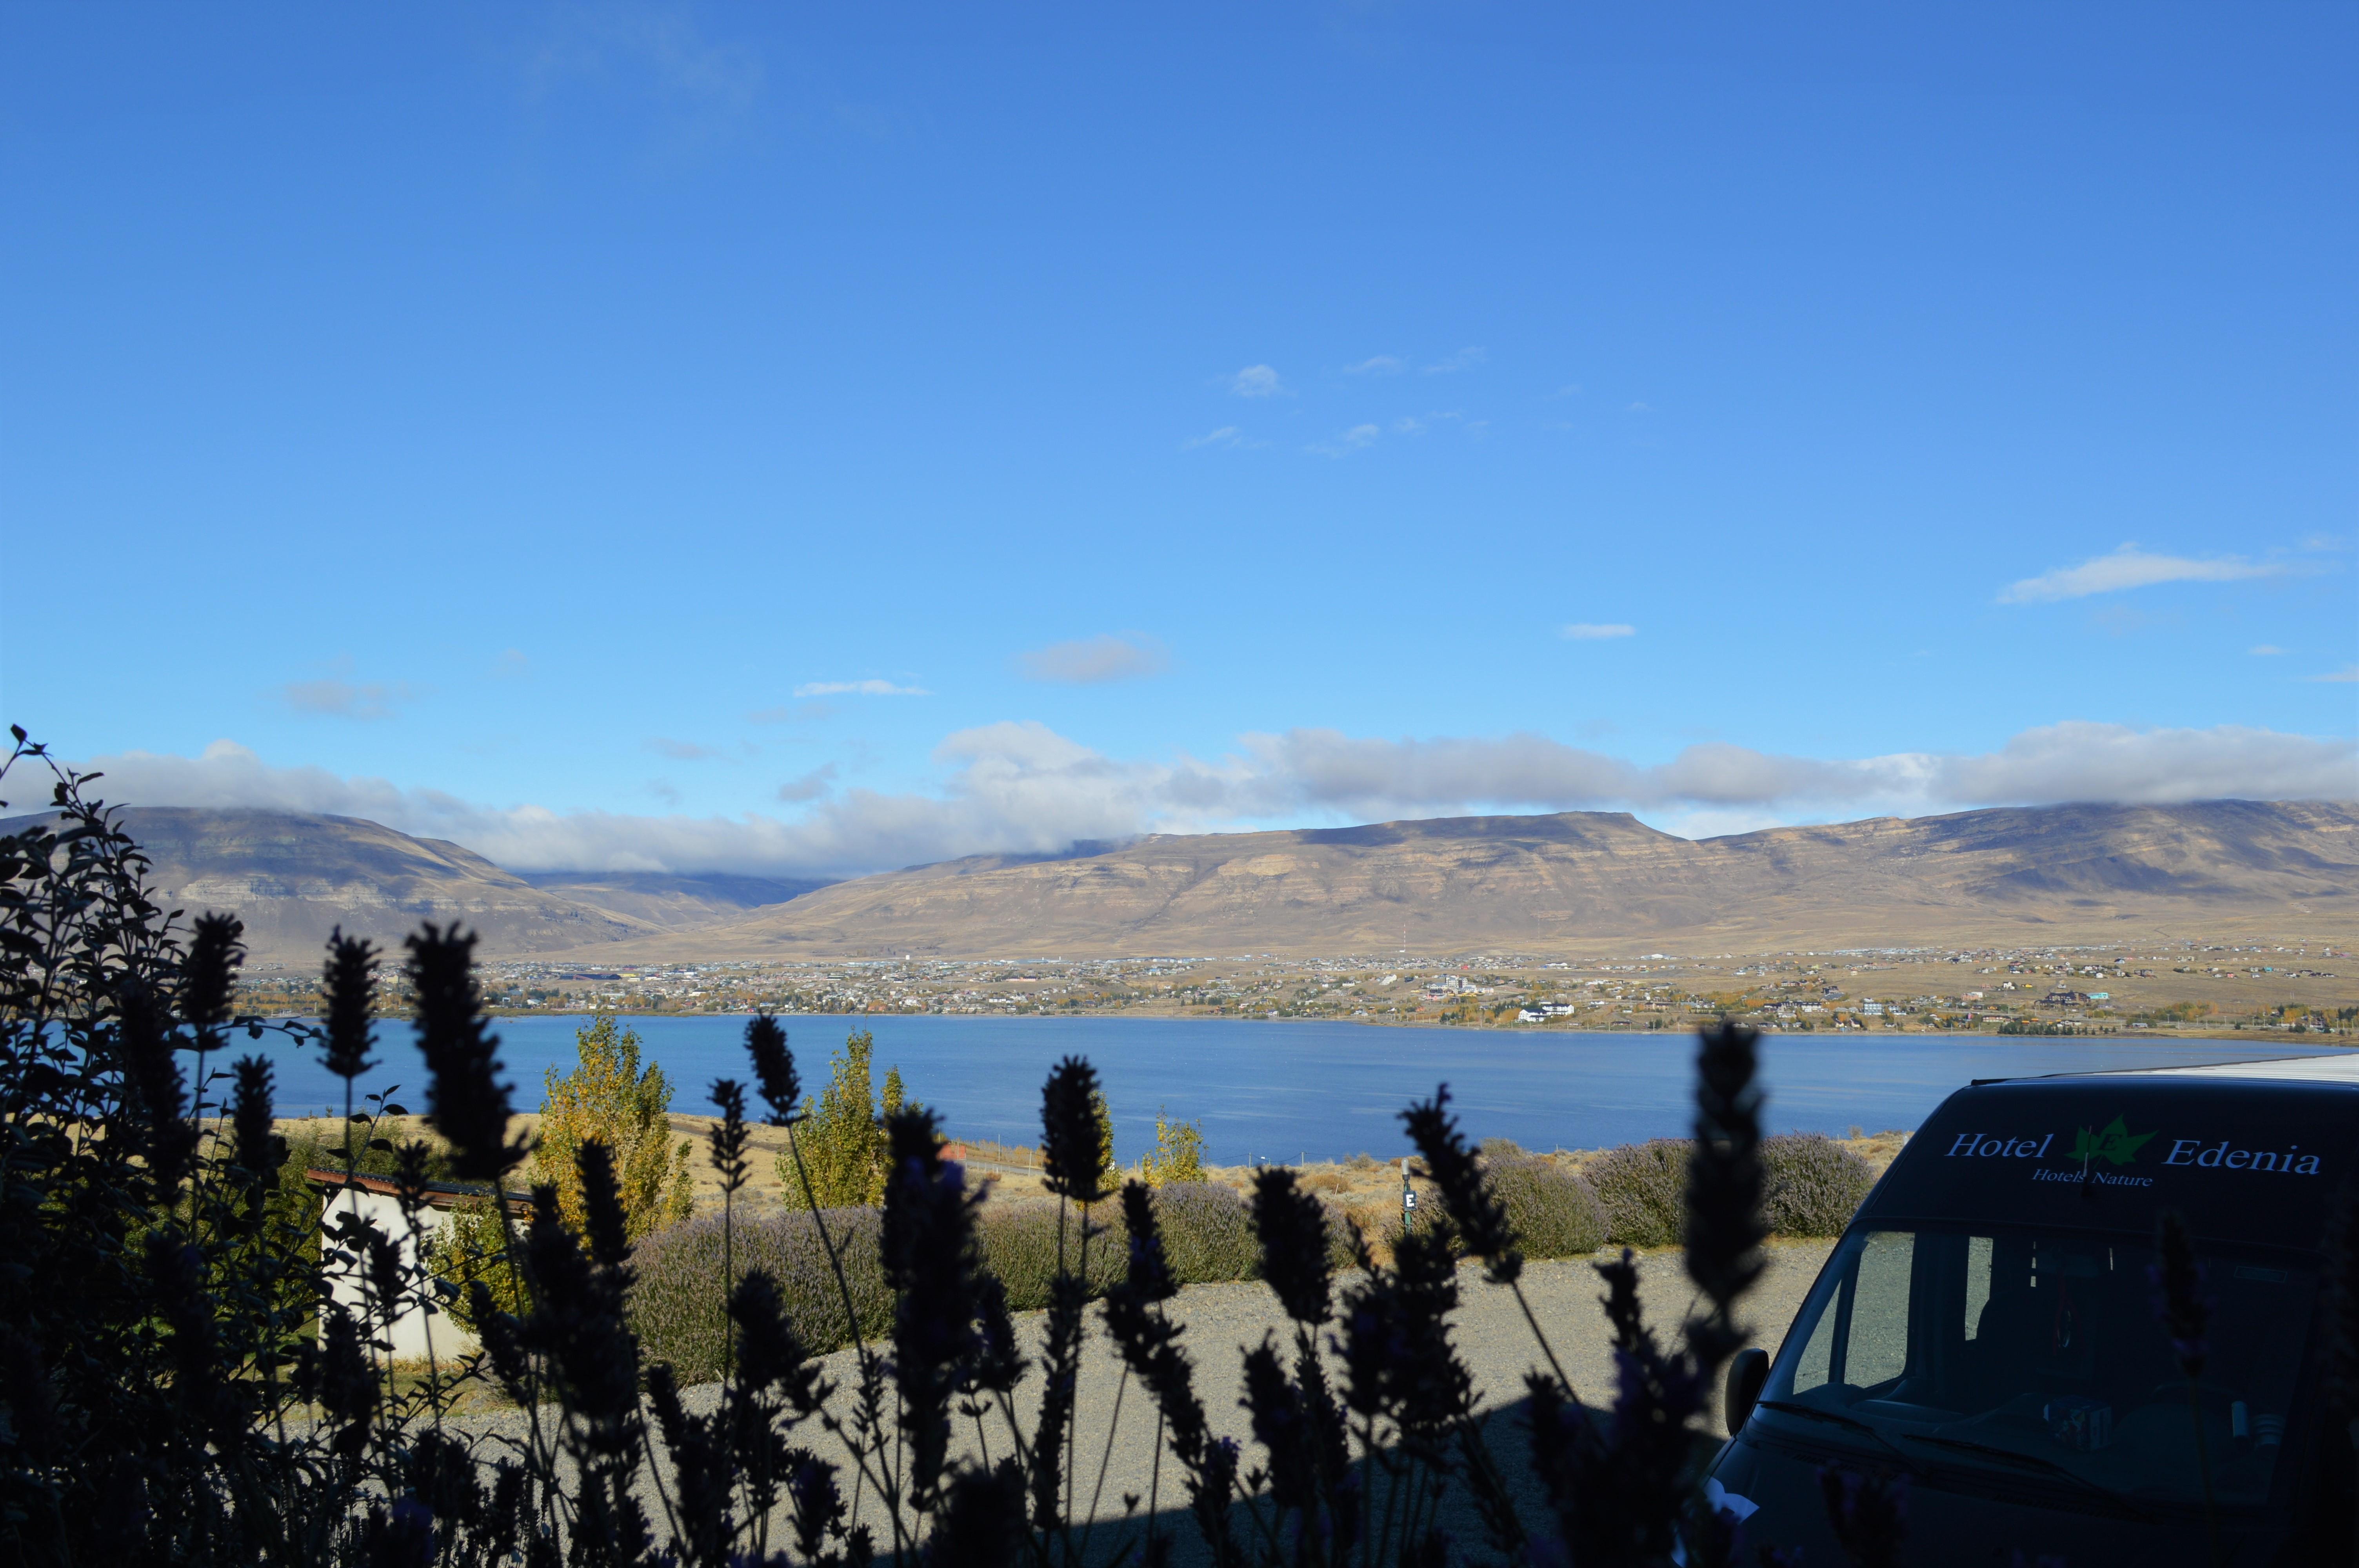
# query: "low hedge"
(1554, 1212)
(1642, 1188)
(1815, 1184)
(1208, 1236)
(675, 1307)
(1812, 1186)
(1629, 1197)
(1019, 1245)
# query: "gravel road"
(1489, 1329)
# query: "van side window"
(1877, 1347)
(1815, 1365)
(1978, 1282)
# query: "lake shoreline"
(1297, 1092)
(2128, 1036)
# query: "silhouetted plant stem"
(1541, 1334)
(1106, 1459)
(2184, 1314)
(2203, 1470)
(834, 1260)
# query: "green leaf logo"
(2117, 1144)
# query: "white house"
(373, 1198)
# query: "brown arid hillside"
(1591, 882)
(668, 902)
(1575, 884)
(294, 877)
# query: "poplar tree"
(610, 1098)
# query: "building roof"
(438, 1194)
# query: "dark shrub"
(1642, 1188)
(1019, 1245)
(1207, 1233)
(1815, 1184)
(1553, 1211)
(675, 1306)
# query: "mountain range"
(1597, 882)
(1586, 883)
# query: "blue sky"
(810, 440)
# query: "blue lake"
(1282, 1091)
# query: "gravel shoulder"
(1115, 1427)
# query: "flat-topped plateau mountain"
(1576, 883)
(1595, 883)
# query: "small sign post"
(1408, 1198)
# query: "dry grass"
(1363, 1188)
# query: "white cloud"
(702, 91)
(511, 663)
(1376, 364)
(1357, 438)
(2264, 651)
(1587, 631)
(857, 688)
(2129, 568)
(680, 751)
(1090, 660)
(1256, 381)
(1226, 436)
(2344, 677)
(345, 700)
(810, 785)
(1021, 787)
(1464, 359)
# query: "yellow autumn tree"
(841, 1134)
(609, 1097)
(1179, 1153)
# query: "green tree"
(1109, 1172)
(1179, 1153)
(470, 1245)
(842, 1134)
(609, 1097)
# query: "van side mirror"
(1746, 1373)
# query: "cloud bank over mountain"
(1020, 787)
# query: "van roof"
(2341, 1068)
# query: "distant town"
(2161, 989)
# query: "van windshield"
(2025, 1352)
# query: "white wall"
(409, 1330)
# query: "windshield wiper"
(1812, 1413)
(2028, 1461)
